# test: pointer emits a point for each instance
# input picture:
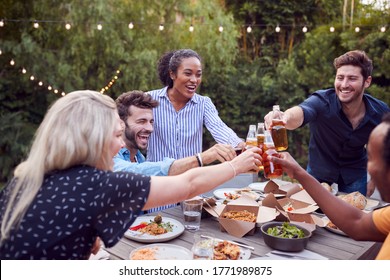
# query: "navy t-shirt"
(71, 209)
(335, 148)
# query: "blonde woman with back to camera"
(65, 195)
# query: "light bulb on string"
(36, 25)
(357, 29)
(383, 29)
(161, 27)
(1, 23)
(99, 26)
(68, 26)
(331, 29)
(118, 71)
(304, 29)
(191, 28)
(131, 25)
(12, 62)
(40, 83)
(24, 71)
(220, 28)
(63, 93)
(249, 29)
(1, 52)
(32, 78)
(277, 29)
(56, 91)
(49, 88)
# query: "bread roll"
(355, 199)
(326, 186)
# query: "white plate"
(166, 252)
(220, 193)
(258, 186)
(336, 230)
(177, 229)
(245, 253)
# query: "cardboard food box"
(239, 228)
(282, 188)
(294, 210)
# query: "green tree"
(84, 57)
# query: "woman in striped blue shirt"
(182, 113)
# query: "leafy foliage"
(244, 73)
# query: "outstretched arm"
(220, 152)
(352, 221)
(172, 189)
(292, 118)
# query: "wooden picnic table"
(328, 244)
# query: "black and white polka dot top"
(72, 208)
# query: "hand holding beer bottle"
(271, 169)
(278, 130)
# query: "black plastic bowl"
(284, 244)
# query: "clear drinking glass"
(192, 212)
(203, 248)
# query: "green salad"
(286, 231)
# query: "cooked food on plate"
(144, 254)
(244, 215)
(355, 199)
(155, 227)
(226, 251)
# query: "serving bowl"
(284, 244)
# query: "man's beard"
(131, 139)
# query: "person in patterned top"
(65, 196)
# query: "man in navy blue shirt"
(341, 120)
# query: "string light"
(99, 26)
(12, 62)
(277, 29)
(331, 29)
(1, 23)
(36, 25)
(161, 27)
(40, 83)
(68, 26)
(249, 29)
(49, 88)
(304, 29)
(191, 28)
(56, 91)
(383, 29)
(131, 25)
(1, 52)
(32, 78)
(63, 93)
(24, 71)
(220, 28)
(357, 29)
(111, 83)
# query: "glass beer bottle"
(271, 169)
(279, 131)
(251, 140)
(260, 139)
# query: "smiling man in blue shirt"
(341, 120)
(135, 109)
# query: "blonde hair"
(76, 130)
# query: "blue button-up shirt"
(335, 148)
(161, 168)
